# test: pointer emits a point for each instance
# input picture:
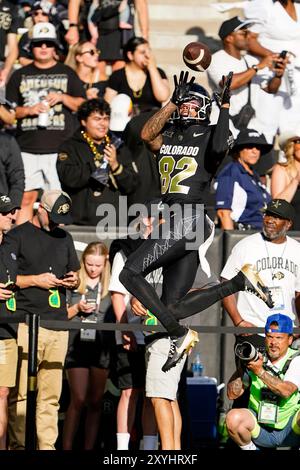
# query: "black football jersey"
(182, 163)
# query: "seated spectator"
(11, 168)
(240, 194)
(140, 79)
(285, 178)
(88, 356)
(272, 417)
(83, 58)
(94, 164)
(9, 41)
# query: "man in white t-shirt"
(260, 78)
(130, 365)
(276, 257)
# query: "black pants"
(179, 271)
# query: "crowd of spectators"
(70, 141)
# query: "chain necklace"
(273, 275)
(98, 157)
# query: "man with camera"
(272, 418)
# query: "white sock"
(250, 446)
(150, 442)
(123, 440)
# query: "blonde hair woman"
(83, 58)
(285, 178)
(88, 355)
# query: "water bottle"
(43, 118)
(197, 366)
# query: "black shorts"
(88, 354)
(130, 367)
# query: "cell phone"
(12, 286)
(65, 276)
(282, 55)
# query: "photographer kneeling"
(272, 418)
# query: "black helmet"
(199, 101)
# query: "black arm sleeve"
(219, 142)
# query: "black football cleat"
(255, 285)
(179, 347)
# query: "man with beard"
(276, 257)
(272, 417)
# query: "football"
(196, 56)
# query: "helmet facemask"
(197, 109)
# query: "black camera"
(246, 352)
(269, 396)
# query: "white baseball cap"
(121, 111)
(44, 32)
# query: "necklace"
(279, 275)
(98, 157)
(138, 93)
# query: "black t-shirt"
(9, 23)
(144, 99)
(39, 251)
(27, 87)
(8, 269)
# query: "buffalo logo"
(278, 276)
(44, 29)
(64, 208)
(63, 156)
(276, 204)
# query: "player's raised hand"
(182, 88)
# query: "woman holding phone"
(88, 356)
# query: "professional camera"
(246, 352)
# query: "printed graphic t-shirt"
(30, 85)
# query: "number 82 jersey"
(182, 163)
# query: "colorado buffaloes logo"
(278, 276)
(64, 208)
(44, 29)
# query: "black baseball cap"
(232, 25)
(58, 205)
(251, 137)
(6, 204)
(281, 208)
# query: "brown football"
(196, 56)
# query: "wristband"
(239, 322)
(73, 25)
(254, 67)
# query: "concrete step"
(208, 27)
(170, 41)
(170, 12)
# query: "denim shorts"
(286, 437)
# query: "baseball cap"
(232, 25)
(6, 204)
(41, 5)
(121, 110)
(280, 207)
(44, 32)
(252, 137)
(284, 324)
(58, 205)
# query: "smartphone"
(282, 55)
(12, 286)
(65, 276)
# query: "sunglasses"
(39, 12)
(296, 141)
(42, 43)
(91, 51)
(13, 211)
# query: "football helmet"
(197, 108)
